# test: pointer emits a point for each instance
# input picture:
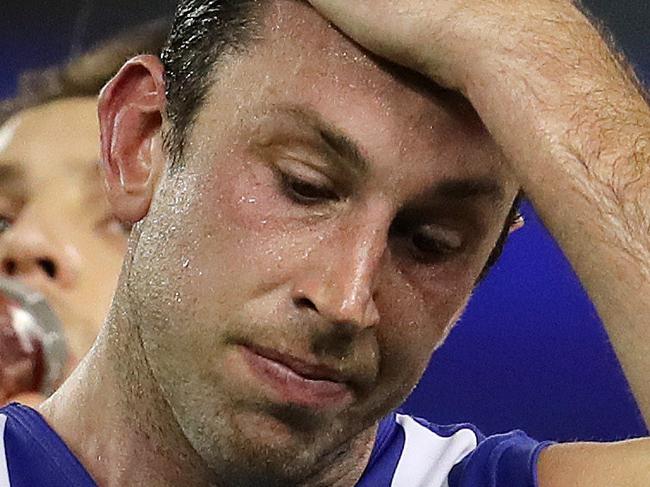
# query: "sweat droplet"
(249, 199)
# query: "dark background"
(530, 352)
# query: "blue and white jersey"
(409, 452)
(32, 454)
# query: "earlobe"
(131, 111)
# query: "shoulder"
(31, 453)
(416, 453)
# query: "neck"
(112, 415)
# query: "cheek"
(234, 239)
(241, 203)
(415, 320)
(98, 264)
(251, 225)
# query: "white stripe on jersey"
(4, 469)
(428, 458)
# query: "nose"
(341, 276)
(28, 251)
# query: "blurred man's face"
(292, 281)
(57, 234)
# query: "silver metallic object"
(33, 319)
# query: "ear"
(131, 109)
(517, 223)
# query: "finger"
(392, 30)
(342, 12)
(355, 18)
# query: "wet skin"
(285, 286)
(57, 232)
(291, 282)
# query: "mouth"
(294, 381)
(35, 289)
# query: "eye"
(427, 242)
(436, 241)
(306, 192)
(5, 223)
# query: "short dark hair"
(202, 32)
(85, 75)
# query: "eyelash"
(434, 249)
(309, 194)
(305, 192)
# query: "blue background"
(530, 352)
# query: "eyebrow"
(335, 140)
(349, 151)
(473, 187)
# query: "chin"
(258, 449)
(280, 430)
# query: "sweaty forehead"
(392, 114)
(306, 45)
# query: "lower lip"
(293, 388)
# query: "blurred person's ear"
(517, 224)
(131, 108)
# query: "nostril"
(305, 303)
(9, 267)
(48, 267)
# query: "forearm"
(596, 464)
(577, 132)
(568, 117)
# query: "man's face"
(57, 234)
(292, 281)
